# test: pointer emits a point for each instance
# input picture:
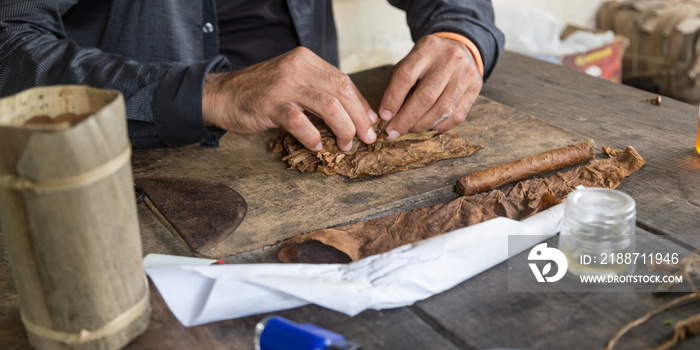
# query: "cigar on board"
(488, 179)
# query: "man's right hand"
(275, 93)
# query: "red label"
(604, 62)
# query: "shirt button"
(208, 28)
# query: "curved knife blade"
(200, 214)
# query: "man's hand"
(275, 93)
(447, 82)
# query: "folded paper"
(199, 293)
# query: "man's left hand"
(447, 82)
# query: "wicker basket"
(663, 52)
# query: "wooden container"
(69, 218)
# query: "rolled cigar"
(488, 179)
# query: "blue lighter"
(278, 333)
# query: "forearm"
(167, 96)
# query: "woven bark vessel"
(69, 218)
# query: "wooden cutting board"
(283, 203)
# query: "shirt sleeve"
(163, 100)
(473, 19)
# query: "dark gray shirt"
(158, 52)
(253, 31)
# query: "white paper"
(199, 294)
(161, 260)
(534, 32)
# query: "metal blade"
(200, 214)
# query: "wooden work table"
(480, 313)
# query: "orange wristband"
(469, 44)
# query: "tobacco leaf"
(361, 239)
(409, 151)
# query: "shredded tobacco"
(655, 100)
(382, 157)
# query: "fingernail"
(386, 115)
(318, 147)
(371, 136)
(372, 116)
(346, 147)
(393, 134)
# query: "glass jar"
(598, 232)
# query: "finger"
(452, 121)
(358, 109)
(427, 93)
(405, 75)
(373, 117)
(461, 112)
(329, 108)
(446, 106)
(345, 81)
(322, 80)
(294, 120)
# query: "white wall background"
(578, 12)
(372, 32)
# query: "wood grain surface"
(283, 203)
(482, 314)
(667, 190)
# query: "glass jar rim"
(619, 203)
